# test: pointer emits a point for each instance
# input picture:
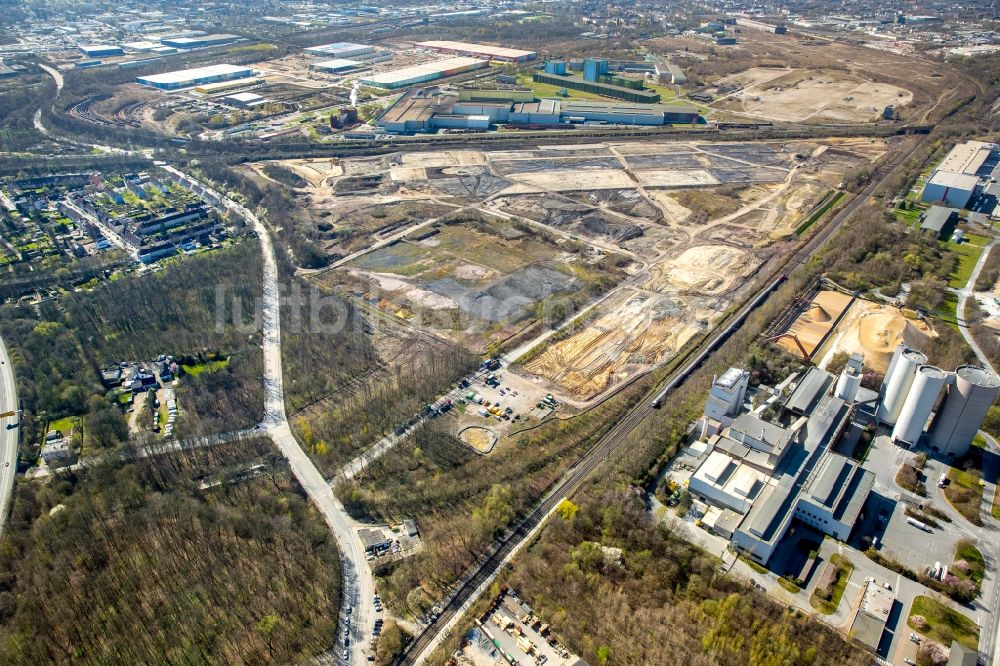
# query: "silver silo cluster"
(911, 390)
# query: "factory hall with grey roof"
(771, 473)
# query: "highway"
(358, 583)
(9, 430)
(474, 582)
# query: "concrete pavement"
(9, 431)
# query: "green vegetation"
(664, 593)
(789, 585)
(942, 624)
(57, 349)
(196, 369)
(908, 477)
(964, 490)
(990, 273)
(969, 564)
(968, 255)
(137, 565)
(543, 90)
(826, 598)
(829, 202)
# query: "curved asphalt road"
(9, 430)
(359, 584)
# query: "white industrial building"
(188, 78)
(917, 399)
(760, 475)
(950, 189)
(725, 398)
(431, 71)
(957, 176)
(340, 50)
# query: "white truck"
(918, 524)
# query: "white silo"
(972, 392)
(896, 384)
(849, 382)
(920, 401)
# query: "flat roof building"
(950, 188)
(431, 71)
(187, 78)
(200, 41)
(940, 221)
(339, 50)
(335, 65)
(244, 100)
(873, 612)
(101, 50)
(480, 50)
(967, 157)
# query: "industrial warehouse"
(431, 71)
(340, 50)
(969, 168)
(188, 78)
(760, 470)
(498, 53)
(421, 111)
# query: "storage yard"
(477, 246)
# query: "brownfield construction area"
(589, 263)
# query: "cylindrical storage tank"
(924, 392)
(965, 406)
(848, 385)
(897, 382)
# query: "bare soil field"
(505, 241)
(799, 95)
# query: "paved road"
(8, 435)
(359, 585)
(963, 297)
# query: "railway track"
(619, 432)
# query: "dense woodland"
(663, 597)
(145, 564)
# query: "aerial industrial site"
(516, 333)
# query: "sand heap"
(815, 322)
(876, 330)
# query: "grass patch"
(830, 202)
(942, 624)
(756, 567)
(208, 366)
(965, 492)
(968, 256)
(548, 90)
(827, 599)
(65, 425)
(966, 551)
(947, 310)
(789, 585)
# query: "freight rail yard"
(627, 250)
